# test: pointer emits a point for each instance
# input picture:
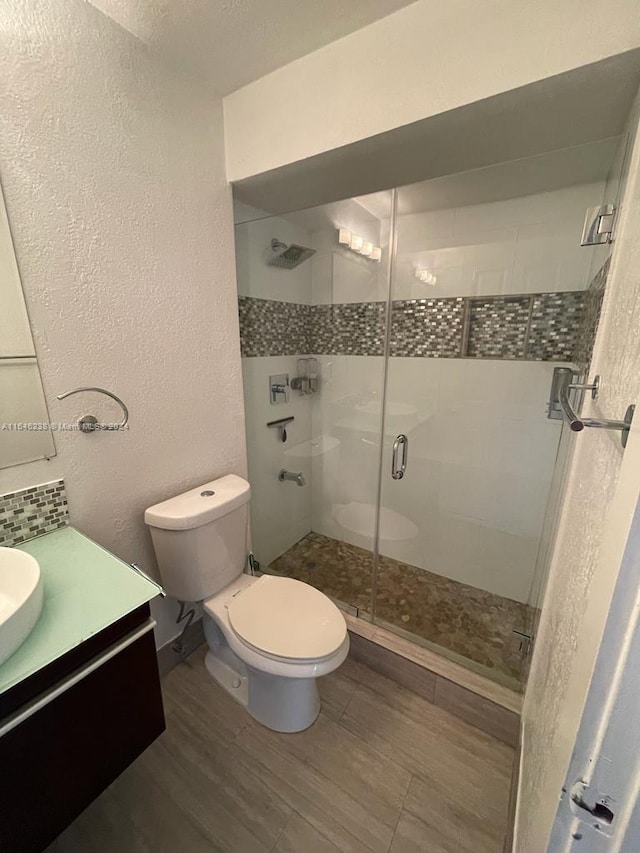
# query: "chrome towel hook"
(89, 423)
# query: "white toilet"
(269, 637)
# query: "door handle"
(397, 472)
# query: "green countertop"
(86, 589)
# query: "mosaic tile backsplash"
(536, 327)
(32, 512)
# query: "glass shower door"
(468, 377)
(312, 326)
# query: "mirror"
(24, 421)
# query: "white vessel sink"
(20, 599)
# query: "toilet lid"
(287, 618)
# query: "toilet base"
(282, 704)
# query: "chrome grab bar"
(398, 472)
(569, 416)
(574, 421)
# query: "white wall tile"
(482, 452)
(280, 511)
(253, 249)
(521, 245)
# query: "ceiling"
(537, 126)
(229, 43)
(582, 164)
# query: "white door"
(600, 807)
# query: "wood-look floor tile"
(376, 782)
(394, 666)
(190, 688)
(215, 781)
(382, 769)
(164, 824)
(457, 827)
(497, 721)
(102, 827)
(414, 836)
(430, 743)
(382, 683)
(336, 691)
(300, 837)
(335, 813)
(436, 663)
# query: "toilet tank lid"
(201, 505)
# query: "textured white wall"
(423, 60)
(600, 498)
(113, 170)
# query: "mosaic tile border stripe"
(32, 512)
(497, 328)
(554, 324)
(427, 328)
(586, 333)
(268, 327)
(352, 328)
(532, 327)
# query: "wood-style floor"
(381, 770)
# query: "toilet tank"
(200, 537)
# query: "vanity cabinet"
(71, 722)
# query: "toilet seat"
(286, 619)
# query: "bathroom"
(149, 155)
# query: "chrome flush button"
(207, 493)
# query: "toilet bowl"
(269, 638)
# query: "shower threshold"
(469, 626)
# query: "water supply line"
(187, 616)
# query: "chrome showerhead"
(288, 257)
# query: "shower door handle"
(397, 472)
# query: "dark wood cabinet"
(76, 736)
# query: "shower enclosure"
(397, 373)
